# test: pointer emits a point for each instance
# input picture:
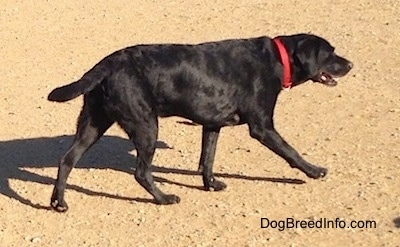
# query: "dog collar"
(286, 83)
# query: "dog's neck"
(287, 73)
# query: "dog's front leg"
(269, 137)
(208, 148)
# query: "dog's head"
(314, 58)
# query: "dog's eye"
(331, 55)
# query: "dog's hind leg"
(143, 132)
(92, 124)
(208, 148)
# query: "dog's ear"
(306, 55)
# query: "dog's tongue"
(327, 79)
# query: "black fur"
(213, 84)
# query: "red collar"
(286, 82)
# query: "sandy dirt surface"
(352, 129)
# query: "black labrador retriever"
(214, 84)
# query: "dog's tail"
(84, 85)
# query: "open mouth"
(326, 79)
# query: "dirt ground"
(352, 129)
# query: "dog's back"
(174, 76)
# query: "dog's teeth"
(323, 78)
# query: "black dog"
(214, 84)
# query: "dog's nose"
(350, 65)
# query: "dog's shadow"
(44, 152)
(396, 222)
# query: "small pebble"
(35, 240)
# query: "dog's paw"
(58, 206)
(317, 172)
(215, 185)
(168, 199)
